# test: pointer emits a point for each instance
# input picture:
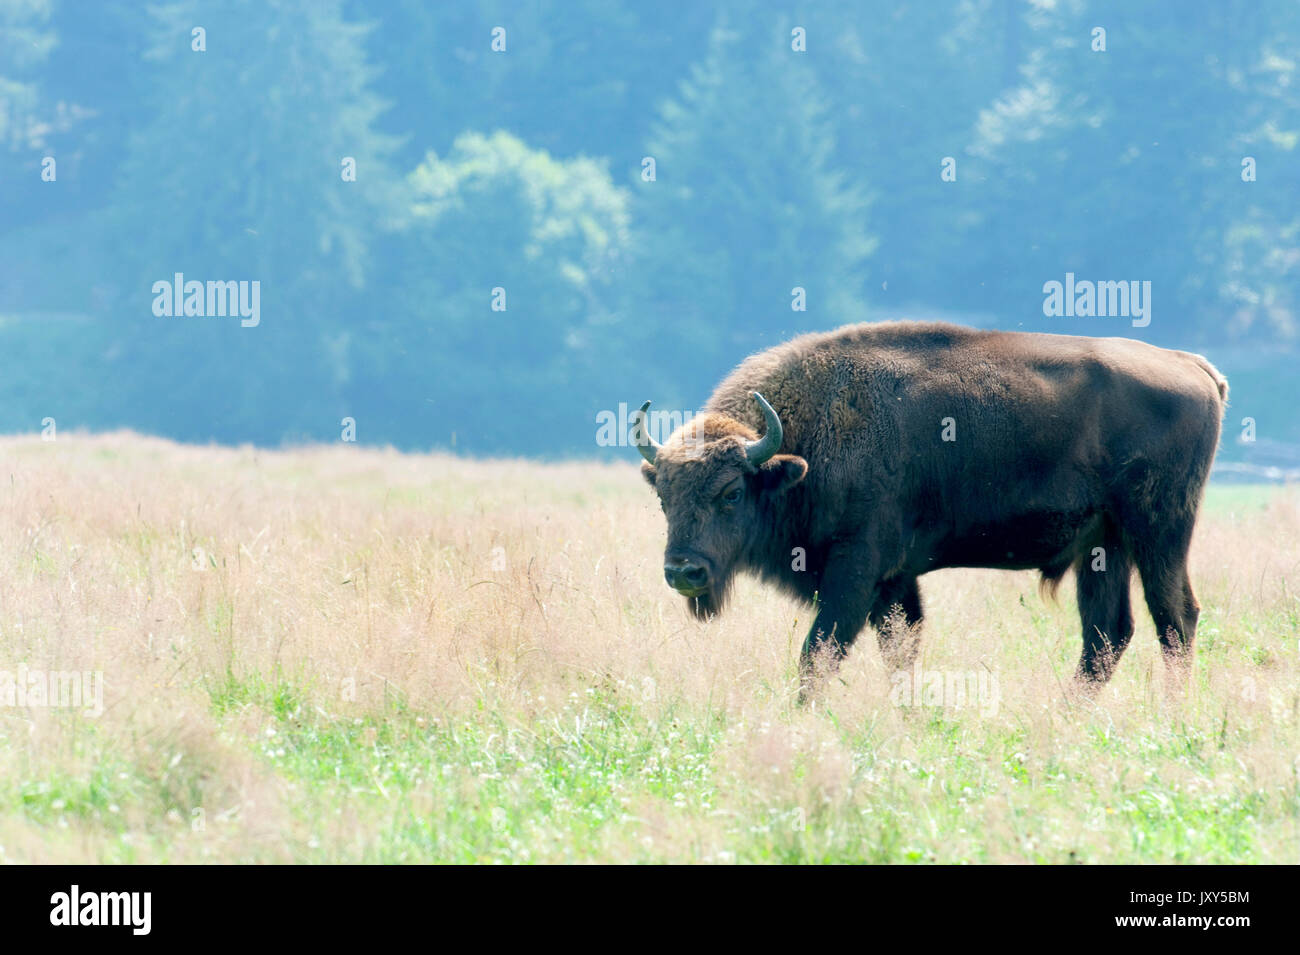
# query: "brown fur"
(1063, 445)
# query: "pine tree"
(243, 173)
(909, 80)
(1125, 161)
(746, 206)
(25, 43)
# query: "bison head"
(717, 482)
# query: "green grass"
(1223, 499)
(568, 787)
(597, 777)
(564, 708)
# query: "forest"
(484, 227)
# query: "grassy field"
(346, 655)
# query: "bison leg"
(1105, 610)
(1175, 611)
(1162, 564)
(899, 636)
(843, 599)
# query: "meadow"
(337, 654)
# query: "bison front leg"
(844, 599)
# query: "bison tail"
(1050, 582)
(1219, 381)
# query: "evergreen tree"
(1107, 163)
(746, 206)
(908, 81)
(259, 113)
(574, 77)
(25, 43)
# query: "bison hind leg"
(896, 616)
(1173, 606)
(1158, 517)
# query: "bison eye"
(732, 496)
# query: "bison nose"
(686, 576)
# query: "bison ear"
(648, 472)
(782, 471)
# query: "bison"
(841, 466)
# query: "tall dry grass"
(340, 654)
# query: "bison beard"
(894, 449)
(712, 602)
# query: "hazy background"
(523, 170)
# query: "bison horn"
(759, 451)
(647, 445)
